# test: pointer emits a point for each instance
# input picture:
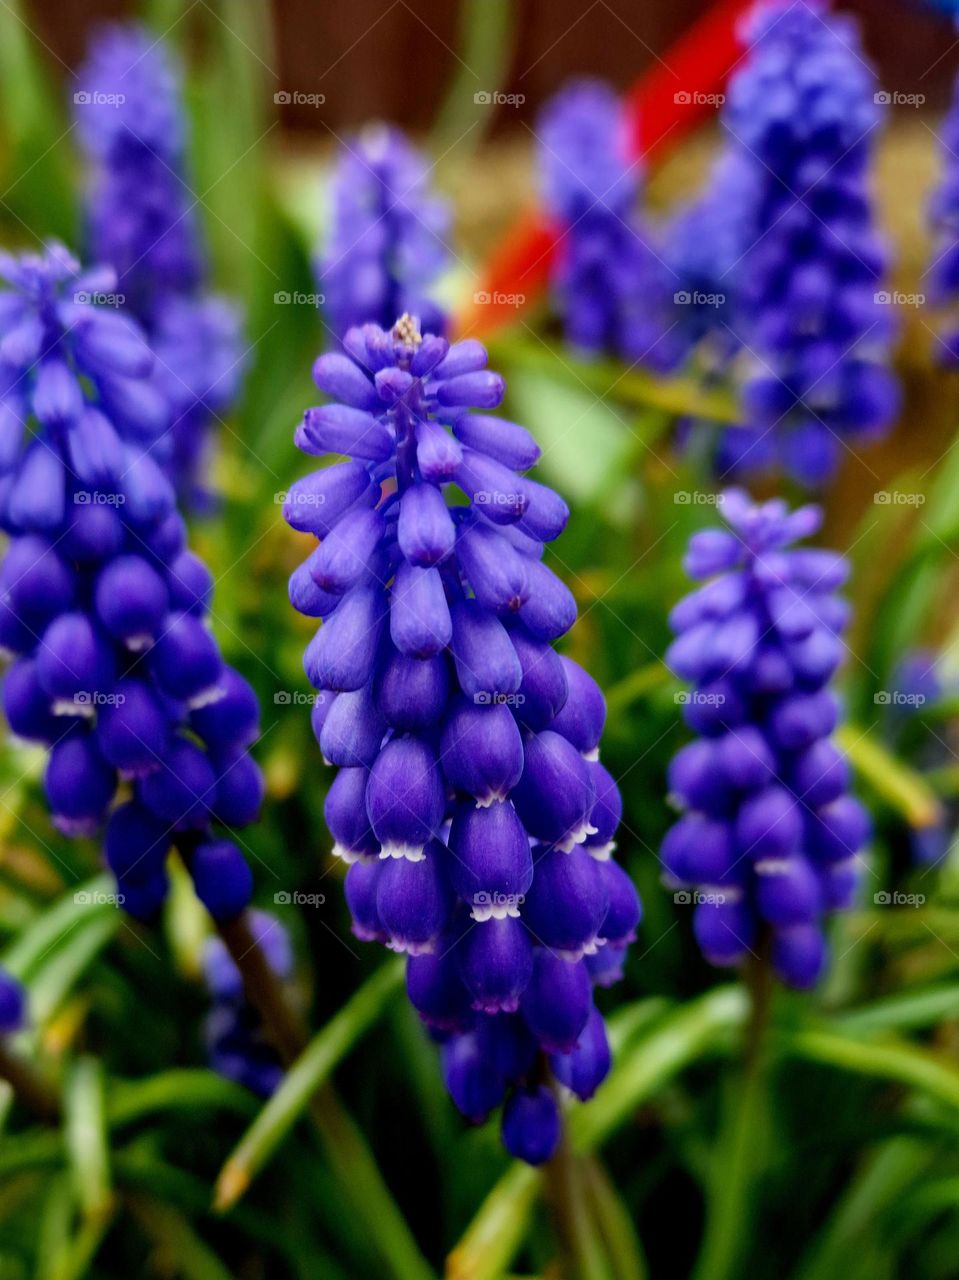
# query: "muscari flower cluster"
(470, 803)
(141, 219)
(943, 271)
(814, 321)
(611, 289)
(387, 239)
(769, 834)
(102, 606)
(237, 1047)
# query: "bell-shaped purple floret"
(496, 962)
(584, 713)
(183, 788)
(342, 653)
(531, 1125)
(799, 955)
(481, 751)
(606, 813)
(26, 704)
(567, 901)
(787, 891)
(222, 878)
(555, 793)
(725, 929)
(345, 812)
(413, 900)
(185, 660)
(240, 788)
(13, 1004)
(485, 660)
(585, 1068)
(411, 693)
(557, 1001)
(232, 722)
(75, 662)
(543, 689)
(491, 867)
(507, 1045)
(133, 728)
(404, 798)
(353, 730)
(474, 1086)
(79, 785)
(436, 990)
(360, 887)
(769, 824)
(136, 843)
(624, 910)
(131, 600)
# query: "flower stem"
(735, 1163)
(32, 1089)
(342, 1141)
(584, 1257)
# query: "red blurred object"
(668, 100)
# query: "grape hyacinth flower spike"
(769, 834)
(103, 609)
(611, 289)
(141, 219)
(812, 314)
(469, 802)
(387, 240)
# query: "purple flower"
(387, 241)
(141, 219)
(13, 1005)
(811, 315)
(470, 802)
(102, 608)
(235, 1042)
(769, 835)
(611, 288)
(943, 270)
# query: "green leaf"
(179, 1089)
(901, 1063)
(57, 924)
(86, 1137)
(496, 1232)
(905, 790)
(311, 1070)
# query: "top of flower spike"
(804, 79)
(755, 530)
(584, 152)
(128, 96)
(387, 239)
